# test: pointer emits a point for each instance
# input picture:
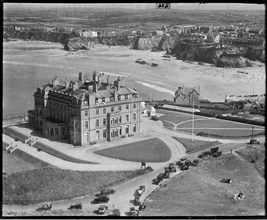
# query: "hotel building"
(86, 111)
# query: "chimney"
(115, 95)
(99, 79)
(95, 78)
(67, 84)
(95, 87)
(80, 76)
(117, 83)
(75, 86)
(55, 81)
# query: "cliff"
(146, 43)
(233, 56)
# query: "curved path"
(124, 192)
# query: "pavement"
(125, 191)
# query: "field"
(50, 184)
(198, 192)
(151, 150)
(20, 161)
(196, 145)
(256, 156)
(222, 128)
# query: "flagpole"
(193, 123)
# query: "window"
(104, 133)
(116, 120)
(97, 111)
(120, 108)
(126, 96)
(134, 127)
(51, 131)
(134, 106)
(119, 98)
(127, 129)
(85, 113)
(127, 107)
(120, 119)
(63, 131)
(112, 109)
(120, 131)
(127, 117)
(104, 121)
(60, 106)
(97, 122)
(56, 131)
(103, 99)
(104, 110)
(116, 133)
(65, 107)
(112, 133)
(86, 125)
(112, 121)
(134, 116)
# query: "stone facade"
(86, 111)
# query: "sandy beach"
(26, 65)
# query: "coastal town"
(124, 118)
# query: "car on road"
(102, 199)
(44, 207)
(105, 192)
(102, 209)
(154, 118)
(133, 211)
(76, 206)
(141, 190)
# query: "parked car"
(46, 206)
(155, 181)
(166, 175)
(183, 159)
(184, 167)
(102, 199)
(254, 141)
(102, 209)
(133, 212)
(154, 118)
(136, 201)
(160, 176)
(172, 167)
(76, 206)
(140, 190)
(225, 180)
(194, 162)
(105, 192)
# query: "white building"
(148, 110)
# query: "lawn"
(52, 184)
(196, 145)
(151, 150)
(175, 117)
(14, 134)
(20, 161)
(60, 155)
(220, 128)
(198, 191)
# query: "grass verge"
(150, 150)
(199, 192)
(196, 145)
(256, 156)
(14, 134)
(51, 184)
(58, 154)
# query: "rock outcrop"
(224, 57)
(146, 43)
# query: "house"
(186, 96)
(86, 111)
(148, 110)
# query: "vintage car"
(102, 199)
(140, 191)
(76, 206)
(102, 209)
(46, 206)
(105, 192)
